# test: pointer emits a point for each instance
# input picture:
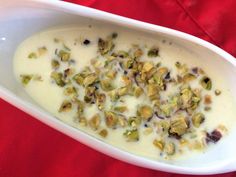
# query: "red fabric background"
(29, 148)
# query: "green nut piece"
(26, 78)
(206, 83)
(178, 126)
(145, 112)
(32, 55)
(55, 64)
(64, 55)
(169, 148)
(90, 79)
(111, 119)
(95, 122)
(58, 78)
(106, 85)
(66, 106)
(134, 122)
(198, 119)
(131, 135)
(159, 144)
(154, 52)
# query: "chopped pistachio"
(126, 80)
(113, 95)
(206, 83)
(158, 65)
(122, 121)
(56, 40)
(207, 108)
(70, 91)
(134, 122)
(148, 131)
(166, 109)
(145, 112)
(42, 50)
(97, 71)
(64, 55)
(105, 46)
(179, 79)
(217, 92)
(138, 66)
(198, 145)
(222, 128)
(89, 96)
(32, 55)
(175, 102)
(177, 64)
(186, 95)
(123, 91)
(147, 66)
(159, 144)
(100, 100)
(131, 135)
(128, 64)
(169, 148)
(182, 68)
(138, 53)
(122, 54)
(106, 85)
(183, 142)
(82, 121)
(111, 119)
(80, 107)
(66, 106)
(26, 78)
(55, 64)
(111, 74)
(188, 77)
(37, 77)
(161, 72)
(68, 72)
(96, 62)
(120, 109)
(58, 78)
(152, 91)
(138, 91)
(90, 79)
(79, 78)
(110, 59)
(154, 52)
(163, 126)
(95, 122)
(201, 71)
(197, 119)
(103, 133)
(178, 125)
(150, 74)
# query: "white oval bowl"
(20, 19)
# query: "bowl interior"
(19, 22)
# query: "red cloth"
(29, 148)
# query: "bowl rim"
(45, 117)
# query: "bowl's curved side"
(40, 114)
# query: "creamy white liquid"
(50, 96)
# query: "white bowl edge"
(88, 140)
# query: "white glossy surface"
(17, 24)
